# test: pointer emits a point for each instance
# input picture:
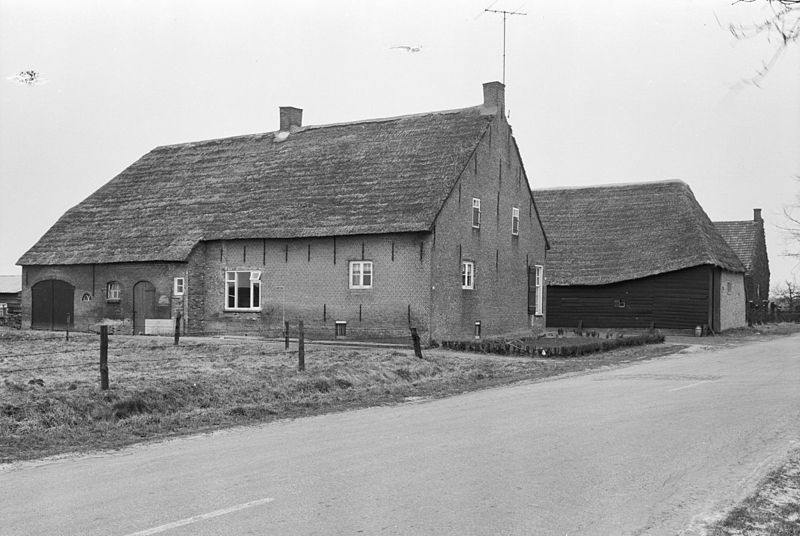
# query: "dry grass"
(773, 510)
(51, 403)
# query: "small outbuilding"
(10, 295)
(746, 239)
(634, 255)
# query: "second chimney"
(291, 118)
(757, 214)
(494, 95)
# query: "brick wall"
(499, 300)
(758, 276)
(732, 300)
(90, 281)
(308, 279)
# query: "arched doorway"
(52, 305)
(144, 305)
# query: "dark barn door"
(144, 305)
(51, 303)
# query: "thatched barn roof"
(377, 176)
(606, 234)
(741, 236)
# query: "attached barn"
(633, 255)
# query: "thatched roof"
(378, 176)
(741, 236)
(605, 234)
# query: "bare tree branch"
(783, 26)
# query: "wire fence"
(125, 348)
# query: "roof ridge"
(256, 135)
(612, 185)
(733, 221)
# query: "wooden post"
(104, 358)
(286, 335)
(415, 339)
(178, 328)
(69, 317)
(301, 348)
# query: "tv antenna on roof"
(505, 17)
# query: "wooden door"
(144, 305)
(52, 305)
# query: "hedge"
(571, 347)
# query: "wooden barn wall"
(673, 300)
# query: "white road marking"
(201, 517)
(691, 385)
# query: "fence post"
(177, 328)
(301, 348)
(69, 317)
(415, 339)
(286, 334)
(104, 358)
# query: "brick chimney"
(494, 95)
(291, 118)
(757, 215)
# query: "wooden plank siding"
(673, 300)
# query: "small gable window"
(179, 287)
(476, 213)
(360, 274)
(243, 290)
(468, 275)
(515, 221)
(112, 291)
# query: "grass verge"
(50, 401)
(774, 509)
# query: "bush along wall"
(571, 347)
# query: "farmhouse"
(746, 239)
(635, 254)
(359, 229)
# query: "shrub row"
(564, 348)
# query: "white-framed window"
(476, 213)
(179, 286)
(515, 221)
(112, 291)
(360, 274)
(243, 290)
(467, 275)
(341, 328)
(539, 290)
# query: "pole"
(104, 358)
(286, 334)
(177, 328)
(301, 349)
(69, 318)
(415, 339)
(505, 18)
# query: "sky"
(597, 92)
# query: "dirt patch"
(774, 509)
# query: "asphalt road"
(654, 448)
